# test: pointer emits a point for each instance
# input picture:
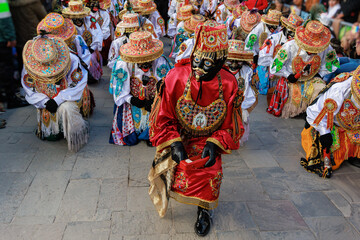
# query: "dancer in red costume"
(196, 115)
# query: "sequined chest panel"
(143, 92)
(349, 116)
(298, 64)
(198, 120)
(87, 36)
(50, 89)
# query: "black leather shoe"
(203, 222)
(148, 143)
(354, 161)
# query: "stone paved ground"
(100, 193)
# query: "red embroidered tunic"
(197, 186)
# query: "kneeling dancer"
(332, 131)
(196, 115)
(54, 81)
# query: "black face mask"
(234, 66)
(205, 69)
(78, 21)
(94, 6)
(271, 28)
(289, 34)
(145, 67)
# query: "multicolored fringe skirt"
(301, 94)
(342, 149)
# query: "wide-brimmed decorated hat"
(46, 59)
(272, 17)
(231, 4)
(105, 4)
(211, 40)
(313, 38)
(76, 9)
(146, 7)
(292, 22)
(57, 26)
(355, 85)
(128, 24)
(184, 13)
(249, 20)
(194, 20)
(239, 10)
(237, 52)
(141, 48)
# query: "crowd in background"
(19, 19)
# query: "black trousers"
(7, 81)
(162, 7)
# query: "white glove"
(245, 116)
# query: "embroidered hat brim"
(270, 21)
(247, 17)
(46, 59)
(105, 4)
(147, 11)
(312, 45)
(285, 22)
(231, 6)
(66, 31)
(241, 56)
(132, 54)
(70, 14)
(191, 27)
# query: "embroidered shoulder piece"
(162, 70)
(281, 57)
(118, 77)
(183, 48)
(341, 77)
(252, 39)
(331, 60)
(28, 81)
(329, 108)
(76, 76)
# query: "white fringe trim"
(76, 129)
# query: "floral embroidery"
(76, 75)
(279, 61)
(120, 75)
(181, 183)
(252, 39)
(28, 81)
(215, 184)
(162, 70)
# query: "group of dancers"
(193, 105)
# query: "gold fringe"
(161, 176)
(141, 59)
(167, 143)
(215, 141)
(212, 55)
(194, 201)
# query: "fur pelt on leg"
(76, 129)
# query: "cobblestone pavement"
(100, 193)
